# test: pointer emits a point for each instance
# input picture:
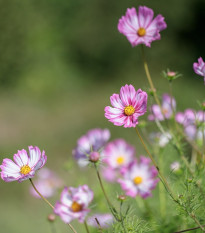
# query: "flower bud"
(121, 197)
(94, 156)
(51, 217)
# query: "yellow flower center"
(76, 207)
(120, 160)
(25, 170)
(141, 32)
(129, 110)
(137, 180)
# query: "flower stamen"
(129, 110)
(25, 170)
(141, 32)
(120, 160)
(76, 207)
(137, 180)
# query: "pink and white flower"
(127, 106)
(74, 203)
(141, 28)
(199, 68)
(139, 178)
(24, 166)
(89, 145)
(190, 119)
(116, 154)
(47, 183)
(105, 220)
(168, 105)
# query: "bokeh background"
(59, 63)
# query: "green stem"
(190, 229)
(71, 227)
(100, 228)
(149, 77)
(86, 227)
(122, 218)
(162, 178)
(162, 197)
(102, 187)
(112, 208)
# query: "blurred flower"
(190, 119)
(139, 178)
(141, 28)
(160, 139)
(116, 154)
(199, 68)
(89, 143)
(127, 106)
(164, 139)
(74, 203)
(105, 220)
(25, 165)
(200, 136)
(167, 105)
(175, 166)
(47, 183)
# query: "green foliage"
(132, 224)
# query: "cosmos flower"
(167, 105)
(141, 28)
(47, 183)
(24, 166)
(199, 68)
(161, 139)
(127, 106)
(105, 220)
(116, 155)
(74, 203)
(190, 119)
(89, 144)
(139, 178)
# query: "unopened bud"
(121, 197)
(94, 156)
(51, 217)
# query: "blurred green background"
(59, 63)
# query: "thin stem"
(149, 78)
(86, 227)
(41, 195)
(197, 222)
(112, 208)
(190, 142)
(162, 197)
(190, 229)
(102, 187)
(100, 228)
(163, 179)
(122, 218)
(71, 227)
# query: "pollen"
(137, 180)
(76, 207)
(120, 160)
(25, 170)
(141, 32)
(129, 110)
